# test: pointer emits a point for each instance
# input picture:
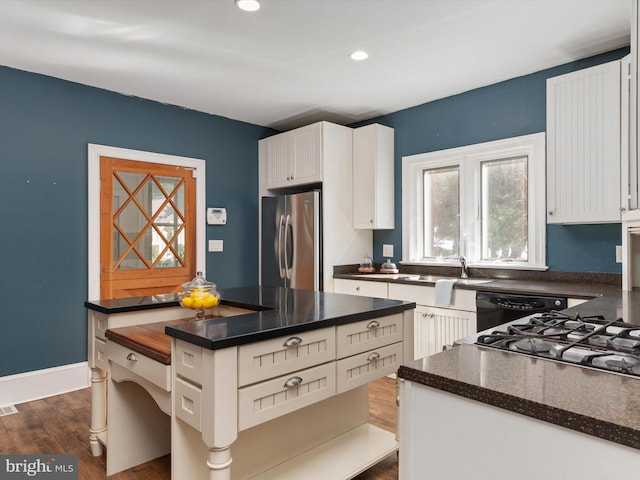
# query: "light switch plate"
(216, 245)
(387, 251)
(618, 253)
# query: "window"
(483, 201)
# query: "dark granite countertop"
(282, 311)
(601, 404)
(571, 286)
(278, 311)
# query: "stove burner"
(533, 345)
(593, 341)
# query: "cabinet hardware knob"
(132, 357)
(550, 212)
(292, 342)
(357, 289)
(373, 324)
(293, 382)
(373, 357)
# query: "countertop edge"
(616, 433)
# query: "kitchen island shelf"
(342, 457)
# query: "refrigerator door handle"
(281, 230)
(288, 237)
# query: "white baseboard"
(25, 387)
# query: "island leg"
(98, 410)
(219, 463)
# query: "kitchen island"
(277, 392)
(519, 416)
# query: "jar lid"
(198, 282)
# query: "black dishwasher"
(495, 308)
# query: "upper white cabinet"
(294, 157)
(373, 200)
(583, 146)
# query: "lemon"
(210, 301)
(196, 303)
(186, 302)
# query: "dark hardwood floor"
(60, 425)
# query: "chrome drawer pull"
(373, 324)
(293, 382)
(373, 357)
(292, 342)
(132, 357)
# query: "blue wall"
(507, 109)
(45, 126)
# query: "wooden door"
(147, 228)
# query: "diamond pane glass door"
(151, 225)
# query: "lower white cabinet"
(364, 288)
(438, 328)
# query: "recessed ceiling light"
(359, 55)
(248, 5)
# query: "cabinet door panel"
(278, 151)
(583, 146)
(436, 328)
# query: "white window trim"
(469, 158)
(93, 158)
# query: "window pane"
(504, 210)
(441, 212)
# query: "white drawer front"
(155, 372)
(100, 352)
(188, 361)
(268, 400)
(270, 358)
(101, 323)
(368, 366)
(359, 337)
(188, 403)
(363, 288)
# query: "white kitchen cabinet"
(434, 327)
(363, 288)
(373, 177)
(438, 328)
(294, 157)
(583, 146)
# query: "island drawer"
(188, 403)
(368, 366)
(271, 399)
(188, 361)
(360, 337)
(270, 358)
(100, 354)
(151, 370)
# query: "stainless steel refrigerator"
(291, 241)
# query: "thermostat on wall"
(217, 216)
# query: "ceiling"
(288, 64)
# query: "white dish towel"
(444, 291)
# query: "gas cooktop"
(591, 341)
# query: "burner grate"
(593, 341)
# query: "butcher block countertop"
(149, 339)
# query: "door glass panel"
(130, 179)
(155, 217)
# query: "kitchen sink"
(425, 278)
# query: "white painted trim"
(93, 158)
(29, 386)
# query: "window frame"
(469, 158)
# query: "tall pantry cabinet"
(317, 156)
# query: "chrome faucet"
(465, 270)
